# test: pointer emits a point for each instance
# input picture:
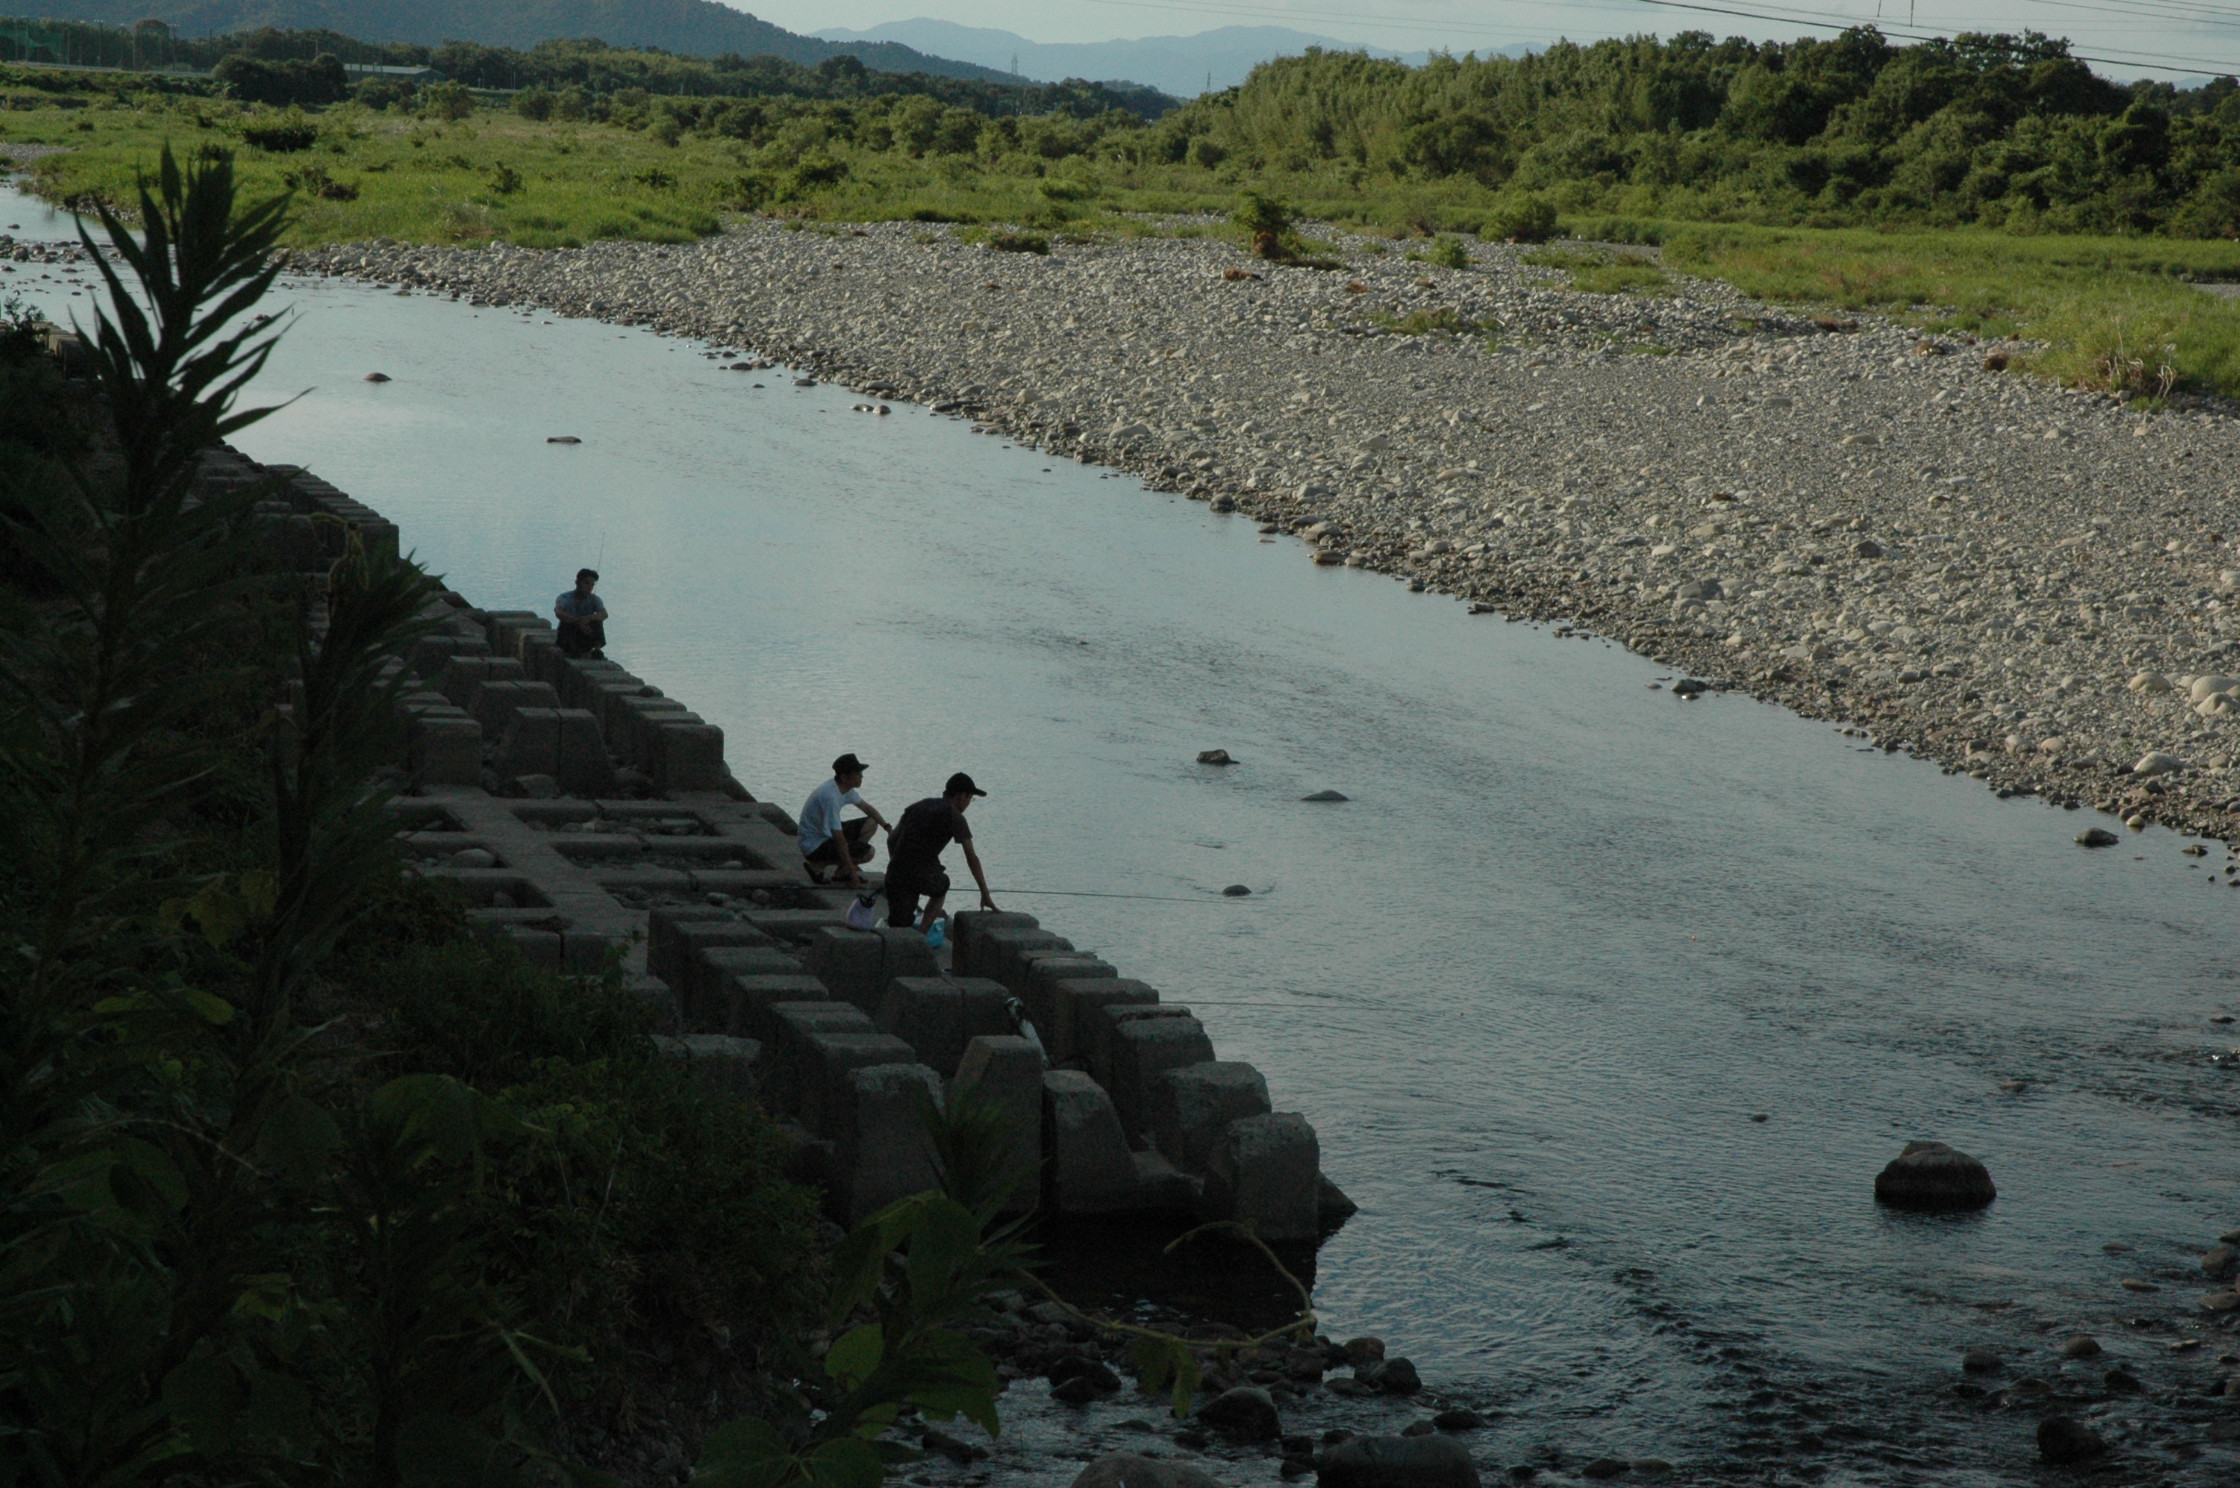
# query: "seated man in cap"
(914, 851)
(828, 842)
(583, 618)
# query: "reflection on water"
(1607, 1006)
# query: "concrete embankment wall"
(589, 816)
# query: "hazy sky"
(2136, 36)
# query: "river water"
(1607, 1005)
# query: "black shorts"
(857, 834)
(906, 886)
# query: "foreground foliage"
(261, 1216)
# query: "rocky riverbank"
(1895, 532)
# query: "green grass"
(2114, 311)
(1602, 271)
(1442, 321)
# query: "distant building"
(360, 71)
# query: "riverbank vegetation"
(1989, 183)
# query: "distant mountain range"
(692, 27)
(1181, 65)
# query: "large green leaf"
(858, 1352)
(747, 1454)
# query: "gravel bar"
(2020, 581)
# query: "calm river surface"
(1607, 1006)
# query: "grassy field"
(2116, 313)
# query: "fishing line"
(1097, 894)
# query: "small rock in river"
(2097, 837)
(2219, 1259)
(1214, 757)
(1360, 1351)
(377, 377)
(1326, 795)
(1127, 1470)
(1688, 687)
(1933, 1178)
(1604, 1468)
(1399, 1462)
(2124, 1382)
(1246, 1414)
(1392, 1376)
(562, 439)
(1235, 891)
(1982, 1361)
(2083, 1346)
(2063, 1442)
(1458, 1419)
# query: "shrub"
(533, 103)
(446, 101)
(1446, 252)
(282, 134)
(1528, 219)
(1018, 242)
(312, 180)
(1266, 224)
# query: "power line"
(1799, 18)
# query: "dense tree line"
(1990, 130)
(301, 67)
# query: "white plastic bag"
(864, 913)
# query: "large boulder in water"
(2063, 1442)
(1246, 1414)
(1127, 1470)
(1931, 1178)
(1398, 1462)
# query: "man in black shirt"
(914, 851)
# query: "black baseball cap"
(960, 784)
(848, 764)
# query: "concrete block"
(687, 757)
(1043, 973)
(541, 657)
(848, 961)
(996, 954)
(710, 972)
(926, 1014)
(664, 949)
(1193, 1104)
(966, 926)
(1005, 1071)
(1071, 1004)
(564, 743)
(742, 1004)
(1099, 1030)
(432, 654)
(791, 1026)
(1088, 1167)
(1163, 1187)
(938, 1017)
(500, 625)
(446, 750)
(832, 1057)
(581, 678)
(720, 1064)
(495, 702)
(1266, 1172)
(630, 718)
(985, 1007)
(508, 627)
(904, 953)
(1143, 1049)
(881, 1151)
(467, 672)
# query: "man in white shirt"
(828, 842)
